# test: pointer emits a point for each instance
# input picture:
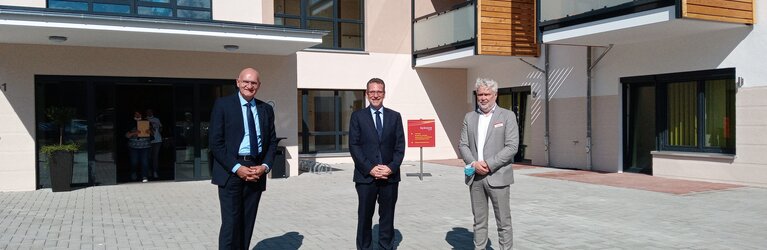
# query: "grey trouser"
(480, 191)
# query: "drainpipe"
(546, 138)
(545, 72)
(588, 100)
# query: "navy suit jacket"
(226, 132)
(368, 151)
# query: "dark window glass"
(67, 5)
(193, 14)
(327, 40)
(343, 19)
(154, 11)
(351, 36)
(349, 9)
(320, 8)
(288, 7)
(194, 3)
(156, 1)
(325, 116)
(719, 113)
(111, 8)
(288, 22)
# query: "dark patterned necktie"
(252, 131)
(379, 124)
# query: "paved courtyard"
(318, 211)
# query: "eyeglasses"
(250, 82)
(376, 92)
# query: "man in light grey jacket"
(489, 141)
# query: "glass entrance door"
(639, 127)
(516, 99)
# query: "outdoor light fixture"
(231, 47)
(57, 39)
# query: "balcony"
(462, 34)
(598, 22)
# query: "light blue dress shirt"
(373, 113)
(245, 146)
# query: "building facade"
(669, 88)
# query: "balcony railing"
(562, 13)
(443, 29)
(556, 9)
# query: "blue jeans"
(140, 156)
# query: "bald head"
(249, 81)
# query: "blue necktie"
(379, 124)
(252, 131)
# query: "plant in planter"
(60, 156)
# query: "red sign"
(420, 133)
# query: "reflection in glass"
(349, 9)
(288, 7)
(682, 114)
(351, 36)
(287, 22)
(327, 40)
(105, 168)
(719, 113)
(194, 3)
(67, 5)
(111, 8)
(325, 116)
(193, 14)
(183, 137)
(321, 8)
(74, 130)
(154, 11)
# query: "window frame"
(134, 5)
(304, 19)
(304, 133)
(662, 82)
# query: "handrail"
(455, 7)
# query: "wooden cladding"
(507, 28)
(733, 11)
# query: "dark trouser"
(386, 195)
(239, 204)
(140, 156)
(156, 156)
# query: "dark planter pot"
(60, 164)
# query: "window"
(181, 9)
(325, 116)
(699, 115)
(341, 18)
(691, 111)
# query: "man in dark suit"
(243, 143)
(377, 146)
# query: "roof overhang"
(463, 58)
(650, 25)
(35, 26)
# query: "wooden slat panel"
(734, 11)
(507, 28)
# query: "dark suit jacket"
(226, 132)
(367, 150)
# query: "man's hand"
(259, 170)
(481, 167)
(247, 173)
(380, 172)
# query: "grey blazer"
(501, 143)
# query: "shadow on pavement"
(397, 237)
(462, 238)
(287, 241)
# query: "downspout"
(545, 72)
(588, 100)
(546, 139)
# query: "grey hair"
(487, 83)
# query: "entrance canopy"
(41, 26)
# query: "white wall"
(248, 11)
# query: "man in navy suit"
(243, 142)
(377, 146)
